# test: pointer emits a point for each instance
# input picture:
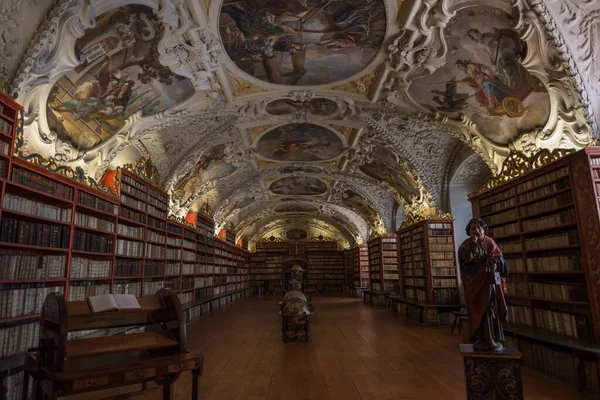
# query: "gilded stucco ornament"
(517, 164)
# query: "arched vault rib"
(354, 222)
(277, 222)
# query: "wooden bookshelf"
(60, 235)
(348, 270)
(547, 224)
(428, 274)
(383, 268)
(325, 269)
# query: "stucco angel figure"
(483, 272)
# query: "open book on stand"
(113, 302)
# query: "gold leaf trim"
(145, 169)
(361, 85)
(241, 86)
(412, 219)
(181, 221)
(517, 164)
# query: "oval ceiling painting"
(121, 75)
(295, 208)
(298, 185)
(296, 234)
(288, 106)
(300, 142)
(302, 42)
(483, 77)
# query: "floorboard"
(355, 352)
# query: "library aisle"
(356, 352)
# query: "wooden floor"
(355, 352)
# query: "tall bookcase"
(325, 267)
(383, 268)
(59, 235)
(428, 274)
(547, 225)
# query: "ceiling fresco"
(300, 142)
(302, 42)
(484, 77)
(337, 118)
(121, 75)
(298, 186)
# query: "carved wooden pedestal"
(493, 375)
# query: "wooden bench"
(62, 367)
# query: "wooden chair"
(62, 367)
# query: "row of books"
(442, 263)
(440, 282)
(409, 311)
(441, 247)
(34, 233)
(131, 231)
(12, 386)
(552, 241)
(520, 315)
(79, 291)
(133, 215)
(543, 179)
(94, 223)
(559, 291)
(3, 168)
(446, 296)
(157, 223)
(17, 339)
(173, 241)
(547, 204)
(27, 206)
(125, 267)
(155, 236)
(130, 248)
(20, 265)
(443, 271)
(128, 184)
(25, 300)
(544, 191)
(187, 269)
(6, 126)
(505, 230)
(415, 294)
(562, 263)
(87, 268)
(549, 221)
(41, 183)
(558, 364)
(154, 268)
(441, 232)
(86, 241)
(414, 281)
(501, 205)
(151, 210)
(89, 200)
(573, 325)
(413, 272)
(134, 203)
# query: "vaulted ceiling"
(301, 118)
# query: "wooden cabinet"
(547, 225)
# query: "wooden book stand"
(62, 367)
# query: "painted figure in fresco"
(502, 88)
(483, 272)
(257, 30)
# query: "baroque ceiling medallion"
(484, 79)
(302, 42)
(120, 76)
(298, 186)
(300, 142)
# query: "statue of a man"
(483, 272)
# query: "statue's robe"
(482, 294)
